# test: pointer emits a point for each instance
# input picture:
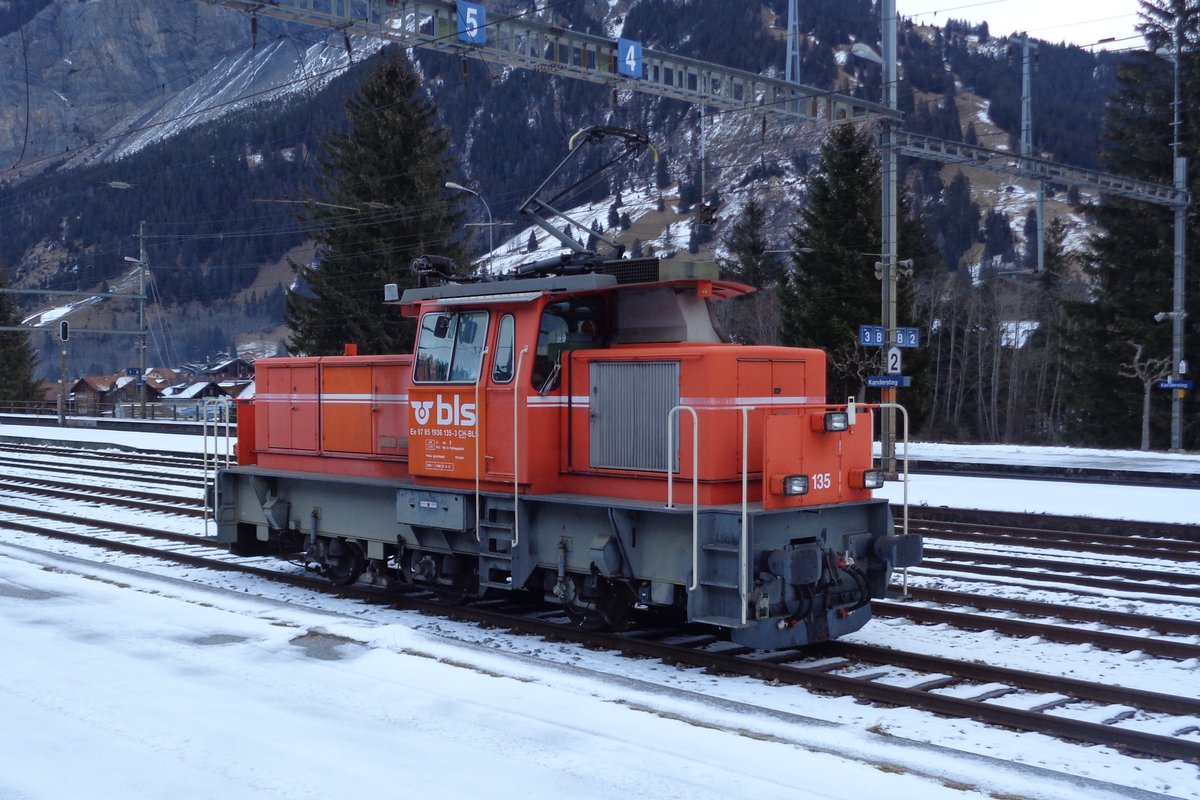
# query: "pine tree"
(752, 319)
(1131, 263)
(750, 262)
(383, 203)
(17, 382)
(832, 288)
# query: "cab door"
(498, 411)
(444, 397)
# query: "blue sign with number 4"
(629, 58)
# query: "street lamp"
(461, 188)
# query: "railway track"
(1011, 698)
(128, 498)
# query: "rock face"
(95, 64)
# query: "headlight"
(836, 421)
(868, 478)
(795, 484)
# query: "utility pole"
(141, 328)
(142, 315)
(1027, 146)
(793, 46)
(887, 426)
(1178, 314)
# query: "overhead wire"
(366, 221)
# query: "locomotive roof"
(516, 289)
(607, 276)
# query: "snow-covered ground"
(137, 680)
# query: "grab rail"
(671, 417)
(478, 463)
(850, 407)
(744, 540)
(517, 450)
(744, 544)
(219, 415)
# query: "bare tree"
(1149, 371)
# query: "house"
(234, 369)
(192, 393)
(99, 395)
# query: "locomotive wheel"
(457, 593)
(452, 579)
(344, 568)
(611, 609)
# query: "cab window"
(502, 367)
(450, 347)
(574, 324)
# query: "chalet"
(99, 395)
(234, 369)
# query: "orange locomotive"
(588, 436)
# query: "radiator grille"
(630, 401)
(632, 270)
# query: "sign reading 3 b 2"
(472, 22)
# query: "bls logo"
(421, 410)
(455, 413)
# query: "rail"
(744, 541)
(517, 450)
(220, 428)
(672, 415)
(744, 544)
(478, 461)
(851, 409)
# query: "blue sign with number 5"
(629, 58)
(472, 23)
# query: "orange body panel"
(365, 416)
(340, 414)
(442, 431)
(793, 447)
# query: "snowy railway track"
(1158, 577)
(909, 679)
(123, 457)
(1179, 542)
(1132, 720)
(181, 477)
(125, 498)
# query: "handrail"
(516, 384)
(904, 414)
(220, 413)
(744, 544)
(479, 466)
(904, 503)
(671, 416)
